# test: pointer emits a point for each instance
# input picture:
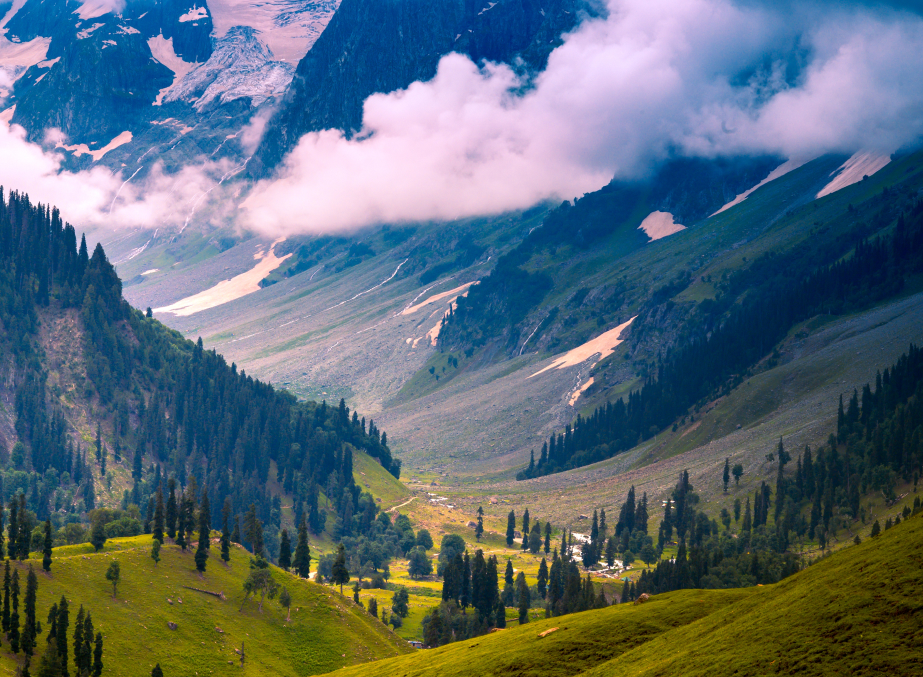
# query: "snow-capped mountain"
(148, 73)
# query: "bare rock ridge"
(373, 46)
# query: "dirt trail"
(397, 507)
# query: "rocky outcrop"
(187, 22)
(101, 84)
(375, 46)
(240, 66)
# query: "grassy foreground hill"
(326, 630)
(857, 612)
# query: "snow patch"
(603, 345)
(16, 58)
(93, 9)
(7, 115)
(194, 14)
(97, 155)
(87, 32)
(49, 63)
(128, 30)
(151, 271)
(860, 165)
(437, 297)
(17, 5)
(579, 391)
(660, 224)
(778, 172)
(162, 50)
(23, 54)
(228, 290)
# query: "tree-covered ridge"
(755, 310)
(164, 404)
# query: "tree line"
(735, 331)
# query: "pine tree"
(726, 475)
(285, 551)
(61, 635)
(29, 628)
(254, 529)
(13, 632)
(525, 530)
(547, 545)
(78, 639)
(340, 574)
(171, 509)
(46, 548)
(86, 650)
(155, 551)
(479, 529)
(22, 542)
(201, 554)
(535, 538)
(510, 528)
(157, 529)
(524, 597)
(748, 519)
(541, 583)
(13, 527)
(157, 672)
(52, 623)
(6, 598)
(50, 665)
(225, 532)
(98, 656)
(98, 534)
(235, 536)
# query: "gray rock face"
(100, 78)
(187, 22)
(384, 45)
(100, 84)
(240, 66)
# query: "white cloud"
(655, 77)
(99, 198)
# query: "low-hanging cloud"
(99, 198)
(650, 80)
(654, 78)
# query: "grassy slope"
(326, 631)
(856, 612)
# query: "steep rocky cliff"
(384, 45)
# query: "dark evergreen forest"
(165, 405)
(838, 273)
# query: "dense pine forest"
(171, 410)
(829, 274)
